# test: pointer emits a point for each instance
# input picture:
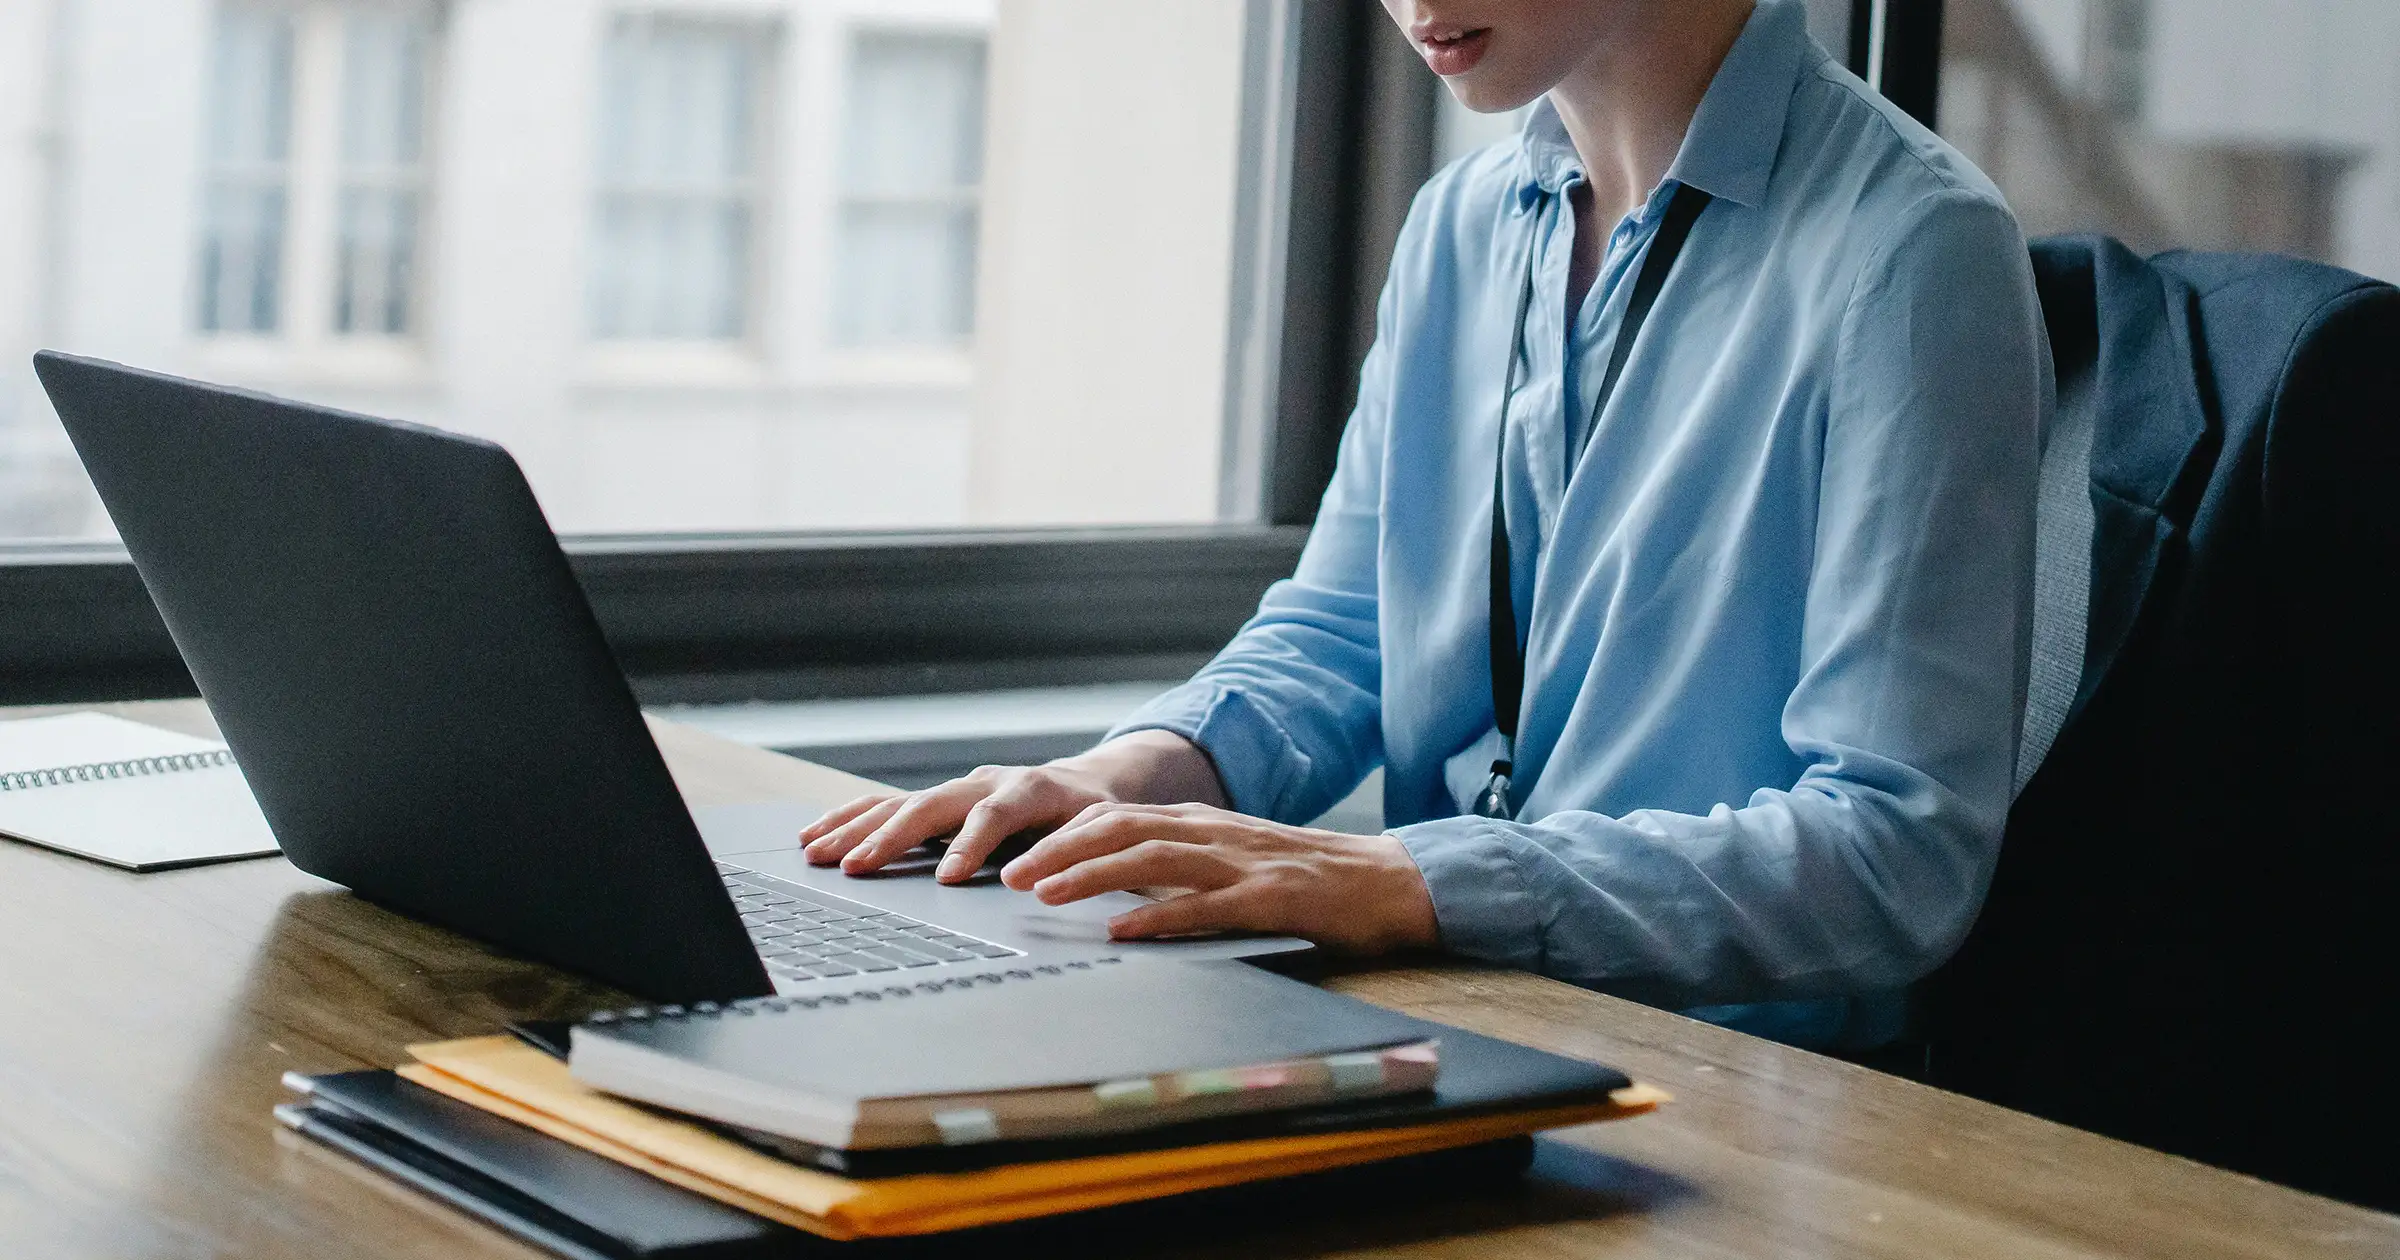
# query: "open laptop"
(391, 641)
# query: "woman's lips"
(1454, 54)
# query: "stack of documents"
(942, 1110)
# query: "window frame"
(279, 176)
(718, 617)
(763, 43)
(1896, 46)
(846, 197)
(696, 618)
(414, 179)
(315, 175)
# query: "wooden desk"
(144, 1021)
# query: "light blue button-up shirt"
(1775, 619)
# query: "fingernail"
(952, 867)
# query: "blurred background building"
(724, 264)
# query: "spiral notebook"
(127, 794)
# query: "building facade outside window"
(701, 265)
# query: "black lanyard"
(1508, 660)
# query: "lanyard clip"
(1492, 802)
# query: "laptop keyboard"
(804, 938)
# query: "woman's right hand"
(994, 803)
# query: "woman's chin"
(1488, 93)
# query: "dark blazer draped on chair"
(2193, 937)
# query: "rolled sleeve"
(1256, 759)
(1482, 902)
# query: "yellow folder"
(522, 1084)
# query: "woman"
(1767, 582)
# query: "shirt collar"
(1729, 151)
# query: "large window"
(2219, 124)
(702, 265)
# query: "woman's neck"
(1629, 104)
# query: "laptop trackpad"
(733, 830)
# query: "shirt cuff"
(1482, 903)
(1255, 757)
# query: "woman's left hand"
(1358, 894)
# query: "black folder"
(554, 1195)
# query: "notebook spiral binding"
(101, 771)
(876, 993)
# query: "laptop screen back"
(393, 645)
